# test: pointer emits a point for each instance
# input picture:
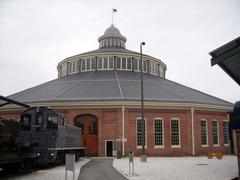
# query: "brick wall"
(110, 128)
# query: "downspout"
(123, 130)
(193, 140)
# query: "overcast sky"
(36, 35)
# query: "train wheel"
(26, 167)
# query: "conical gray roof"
(112, 86)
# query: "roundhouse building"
(99, 91)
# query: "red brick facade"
(110, 128)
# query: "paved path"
(100, 169)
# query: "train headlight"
(38, 154)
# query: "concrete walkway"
(100, 169)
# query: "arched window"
(88, 124)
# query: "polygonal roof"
(112, 86)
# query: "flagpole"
(113, 11)
(112, 17)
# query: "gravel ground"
(164, 168)
(55, 173)
(180, 168)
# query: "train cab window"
(40, 120)
(26, 122)
(61, 121)
(39, 123)
(52, 122)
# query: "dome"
(112, 32)
(112, 38)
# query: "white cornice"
(127, 104)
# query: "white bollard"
(70, 164)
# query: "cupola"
(112, 38)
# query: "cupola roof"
(112, 38)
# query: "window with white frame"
(136, 65)
(225, 133)
(118, 63)
(100, 63)
(88, 63)
(83, 64)
(124, 63)
(215, 132)
(158, 133)
(139, 132)
(93, 63)
(175, 133)
(204, 132)
(111, 66)
(129, 63)
(153, 68)
(74, 66)
(105, 63)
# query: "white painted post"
(193, 136)
(70, 164)
(123, 130)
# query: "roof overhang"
(5, 101)
(127, 104)
(228, 58)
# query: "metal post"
(143, 157)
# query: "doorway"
(89, 139)
(109, 148)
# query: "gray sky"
(36, 35)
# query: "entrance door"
(89, 126)
(109, 148)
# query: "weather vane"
(113, 11)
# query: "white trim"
(227, 132)
(193, 134)
(106, 146)
(204, 145)
(123, 130)
(216, 145)
(158, 146)
(179, 133)
(131, 104)
(139, 118)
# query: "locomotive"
(44, 137)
